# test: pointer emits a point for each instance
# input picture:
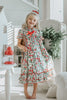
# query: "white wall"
(65, 11)
(16, 10)
(42, 9)
(65, 21)
(47, 9)
(3, 36)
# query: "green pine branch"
(55, 40)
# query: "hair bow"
(30, 33)
(35, 11)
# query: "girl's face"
(31, 21)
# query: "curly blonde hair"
(37, 26)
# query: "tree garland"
(55, 39)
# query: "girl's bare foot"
(34, 91)
(33, 96)
(27, 95)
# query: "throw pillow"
(52, 91)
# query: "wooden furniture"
(17, 60)
(8, 79)
(18, 55)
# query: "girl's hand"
(41, 38)
(22, 47)
(25, 49)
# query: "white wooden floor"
(17, 90)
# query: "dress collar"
(31, 29)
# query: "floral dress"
(37, 64)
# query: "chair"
(61, 81)
(59, 64)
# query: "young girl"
(37, 63)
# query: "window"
(56, 10)
(10, 34)
(15, 35)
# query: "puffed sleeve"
(20, 34)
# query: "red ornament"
(9, 51)
(9, 62)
